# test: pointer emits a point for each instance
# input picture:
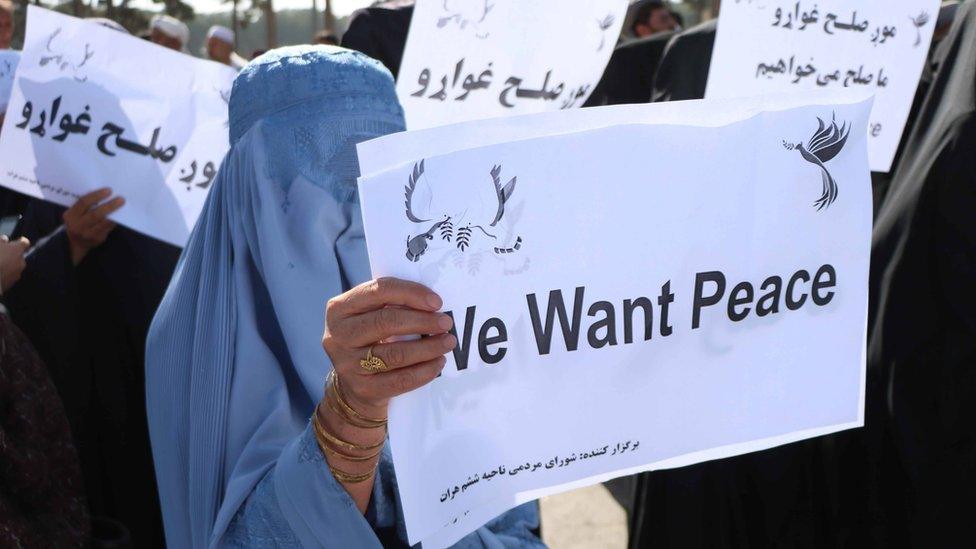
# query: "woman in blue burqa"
(249, 449)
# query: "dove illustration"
(825, 144)
(63, 61)
(466, 12)
(457, 222)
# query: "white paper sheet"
(471, 59)
(93, 107)
(782, 45)
(621, 210)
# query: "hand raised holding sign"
(87, 223)
(12, 262)
(369, 370)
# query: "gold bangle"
(345, 417)
(325, 448)
(347, 457)
(320, 432)
(340, 475)
(351, 479)
(337, 389)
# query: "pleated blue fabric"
(234, 363)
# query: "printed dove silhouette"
(825, 144)
(465, 12)
(466, 221)
(65, 61)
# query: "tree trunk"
(110, 9)
(169, 7)
(710, 11)
(330, 19)
(76, 7)
(234, 23)
(315, 16)
(271, 22)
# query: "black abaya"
(922, 348)
(89, 324)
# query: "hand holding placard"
(696, 311)
(350, 420)
(84, 113)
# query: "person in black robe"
(89, 323)
(381, 33)
(683, 71)
(42, 502)
(881, 181)
(629, 76)
(922, 345)
(849, 489)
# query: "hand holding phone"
(9, 224)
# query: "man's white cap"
(221, 33)
(172, 27)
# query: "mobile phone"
(9, 224)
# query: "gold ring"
(373, 364)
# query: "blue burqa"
(234, 362)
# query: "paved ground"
(589, 518)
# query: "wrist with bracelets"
(333, 445)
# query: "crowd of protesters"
(79, 466)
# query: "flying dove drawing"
(465, 12)
(825, 144)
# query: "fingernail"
(434, 301)
(450, 342)
(445, 322)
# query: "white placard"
(472, 59)
(782, 45)
(579, 216)
(8, 66)
(93, 107)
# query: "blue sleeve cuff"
(318, 509)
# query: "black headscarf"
(629, 76)
(683, 72)
(381, 33)
(89, 324)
